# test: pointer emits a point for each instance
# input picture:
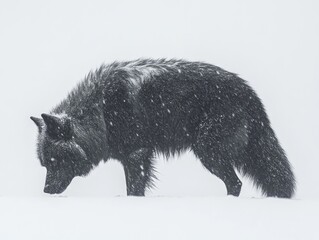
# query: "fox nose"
(50, 189)
(47, 189)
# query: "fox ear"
(39, 122)
(58, 128)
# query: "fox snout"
(51, 189)
(57, 182)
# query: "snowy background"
(46, 47)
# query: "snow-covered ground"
(161, 218)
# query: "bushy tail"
(267, 165)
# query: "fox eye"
(53, 161)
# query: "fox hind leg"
(217, 145)
(223, 170)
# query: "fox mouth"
(53, 190)
(56, 189)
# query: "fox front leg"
(138, 171)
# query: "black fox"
(132, 110)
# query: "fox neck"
(91, 135)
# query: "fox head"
(61, 150)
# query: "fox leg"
(138, 169)
(225, 172)
(217, 146)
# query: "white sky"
(46, 47)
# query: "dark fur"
(131, 110)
